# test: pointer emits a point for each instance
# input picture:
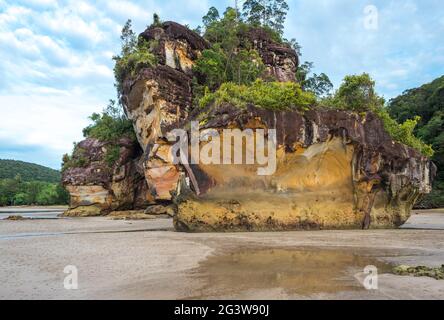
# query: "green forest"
(427, 103)
(23, 183)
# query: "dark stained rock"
(174, 31)
(176, 45)
(335, 169)
(97, 188)
(280, 60)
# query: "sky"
(56, 56)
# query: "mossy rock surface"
(420, 271)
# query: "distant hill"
(28, 171)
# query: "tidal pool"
(297, 272)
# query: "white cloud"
(47, 117)
(397, 54)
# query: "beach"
(120, 259)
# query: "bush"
(112, 154)
(403, 133)
(76, 160)
(129, 64)
(111, 125)
(135, 55)
(266, 95)
(215, 66)
(357, 93)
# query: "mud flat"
(146, 259)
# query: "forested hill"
(9, 169)
(426, 102)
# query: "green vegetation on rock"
(420, 271)
(75, 160)
(216, 66)
(110, 126)
(135, 55)
(357, 93)
(275, 96)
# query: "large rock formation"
(335, 169)
(97, 188)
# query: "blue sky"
(56, 67)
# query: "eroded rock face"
(335, 170)
(159, 100)
(177, 46)
(97, 188)
(280, 60)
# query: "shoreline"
(118, 259)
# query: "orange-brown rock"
(97, 188)
(335, 170)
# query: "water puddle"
(296, 272)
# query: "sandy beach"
(118, 259)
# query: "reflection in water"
(301, 272)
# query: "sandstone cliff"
(97, 188)
(335, 169)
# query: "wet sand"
(148, 260)
(32, 212)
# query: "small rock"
(159, 210)
(16, 218)
(420, 271)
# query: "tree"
(111, 125)
(270, 13)
(211, 17)
(128, 38)
(357, 93)
(295, 46)
(303, 72)
(320, 84)
(156, 20)
(426, 102)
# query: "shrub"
(357, 93)
(111, 125)
(403, 133)
(112, 154)
(131, 62)
(266, 95)
(215, 66)
(76, 160)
